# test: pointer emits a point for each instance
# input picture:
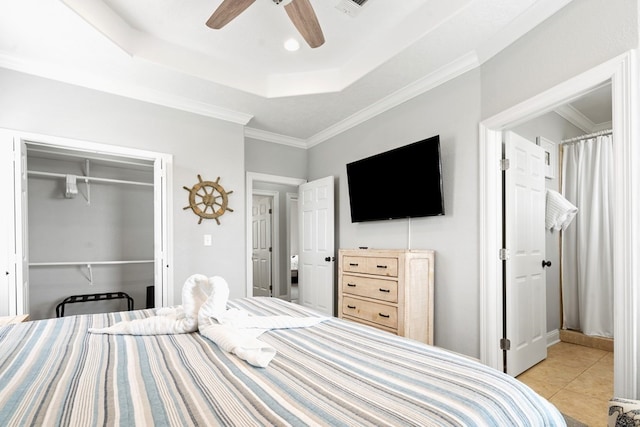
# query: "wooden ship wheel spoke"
(208, 199)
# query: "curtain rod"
(591, 135)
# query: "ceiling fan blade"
(304, 18)
(227, 11)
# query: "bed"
(336, 373)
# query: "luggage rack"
(93, 297)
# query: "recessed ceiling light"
(292, 45)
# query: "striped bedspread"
(337, 373)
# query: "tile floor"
(577, 379)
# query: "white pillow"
(623, 412)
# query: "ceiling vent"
(351, 7)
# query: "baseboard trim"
(553, 337)
(579, 338)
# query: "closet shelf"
(89, 178)
(89, 265)
(54, 264)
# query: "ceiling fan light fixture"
(292, 45)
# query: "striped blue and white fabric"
(337, 373)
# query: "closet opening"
(91, 228)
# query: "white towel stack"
(560, 212)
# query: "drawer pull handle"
(381, 266)
(351, 285)
(353, 264)
(351, 306)
(385, 290)
(386, 316)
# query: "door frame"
(291, 198)
(622, 72)
(163, 216)
(275, 230)
(251, 178)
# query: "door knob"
(546, 263)
(329, 258)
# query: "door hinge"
(270, 249)
(503, 254)
(504, 164)
(270, 211)
(505, 344)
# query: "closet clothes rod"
(54, 264)
(89, 178)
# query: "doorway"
(587, 114)
(281, 272)
(293, 250)
(566, 124)
(621, 72)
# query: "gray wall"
(275, 159)
(582, 35)
(554, 128)
(453, 112)
(200, 145)
(111, 222)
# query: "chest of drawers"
(388, 289)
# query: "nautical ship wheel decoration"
(208, 199)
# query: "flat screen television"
(405, 182)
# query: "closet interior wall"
(105, 222)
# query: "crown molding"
(576, 118)
(442, 75)
(91, 81)
(277, 138)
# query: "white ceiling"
(591, 112)
(161, 51)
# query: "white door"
(21, 227)
(317, 252)
(261, 252)
(7, 234)
(526, 322)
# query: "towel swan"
(205, 309)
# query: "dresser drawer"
(380, 266)
(379, 313)
(385, 290)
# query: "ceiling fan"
(300, 12)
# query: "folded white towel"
(242, 343)
(559, 212)
(236, 332)
(173, 320)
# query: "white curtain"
(587, 253)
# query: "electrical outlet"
(207, 239)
